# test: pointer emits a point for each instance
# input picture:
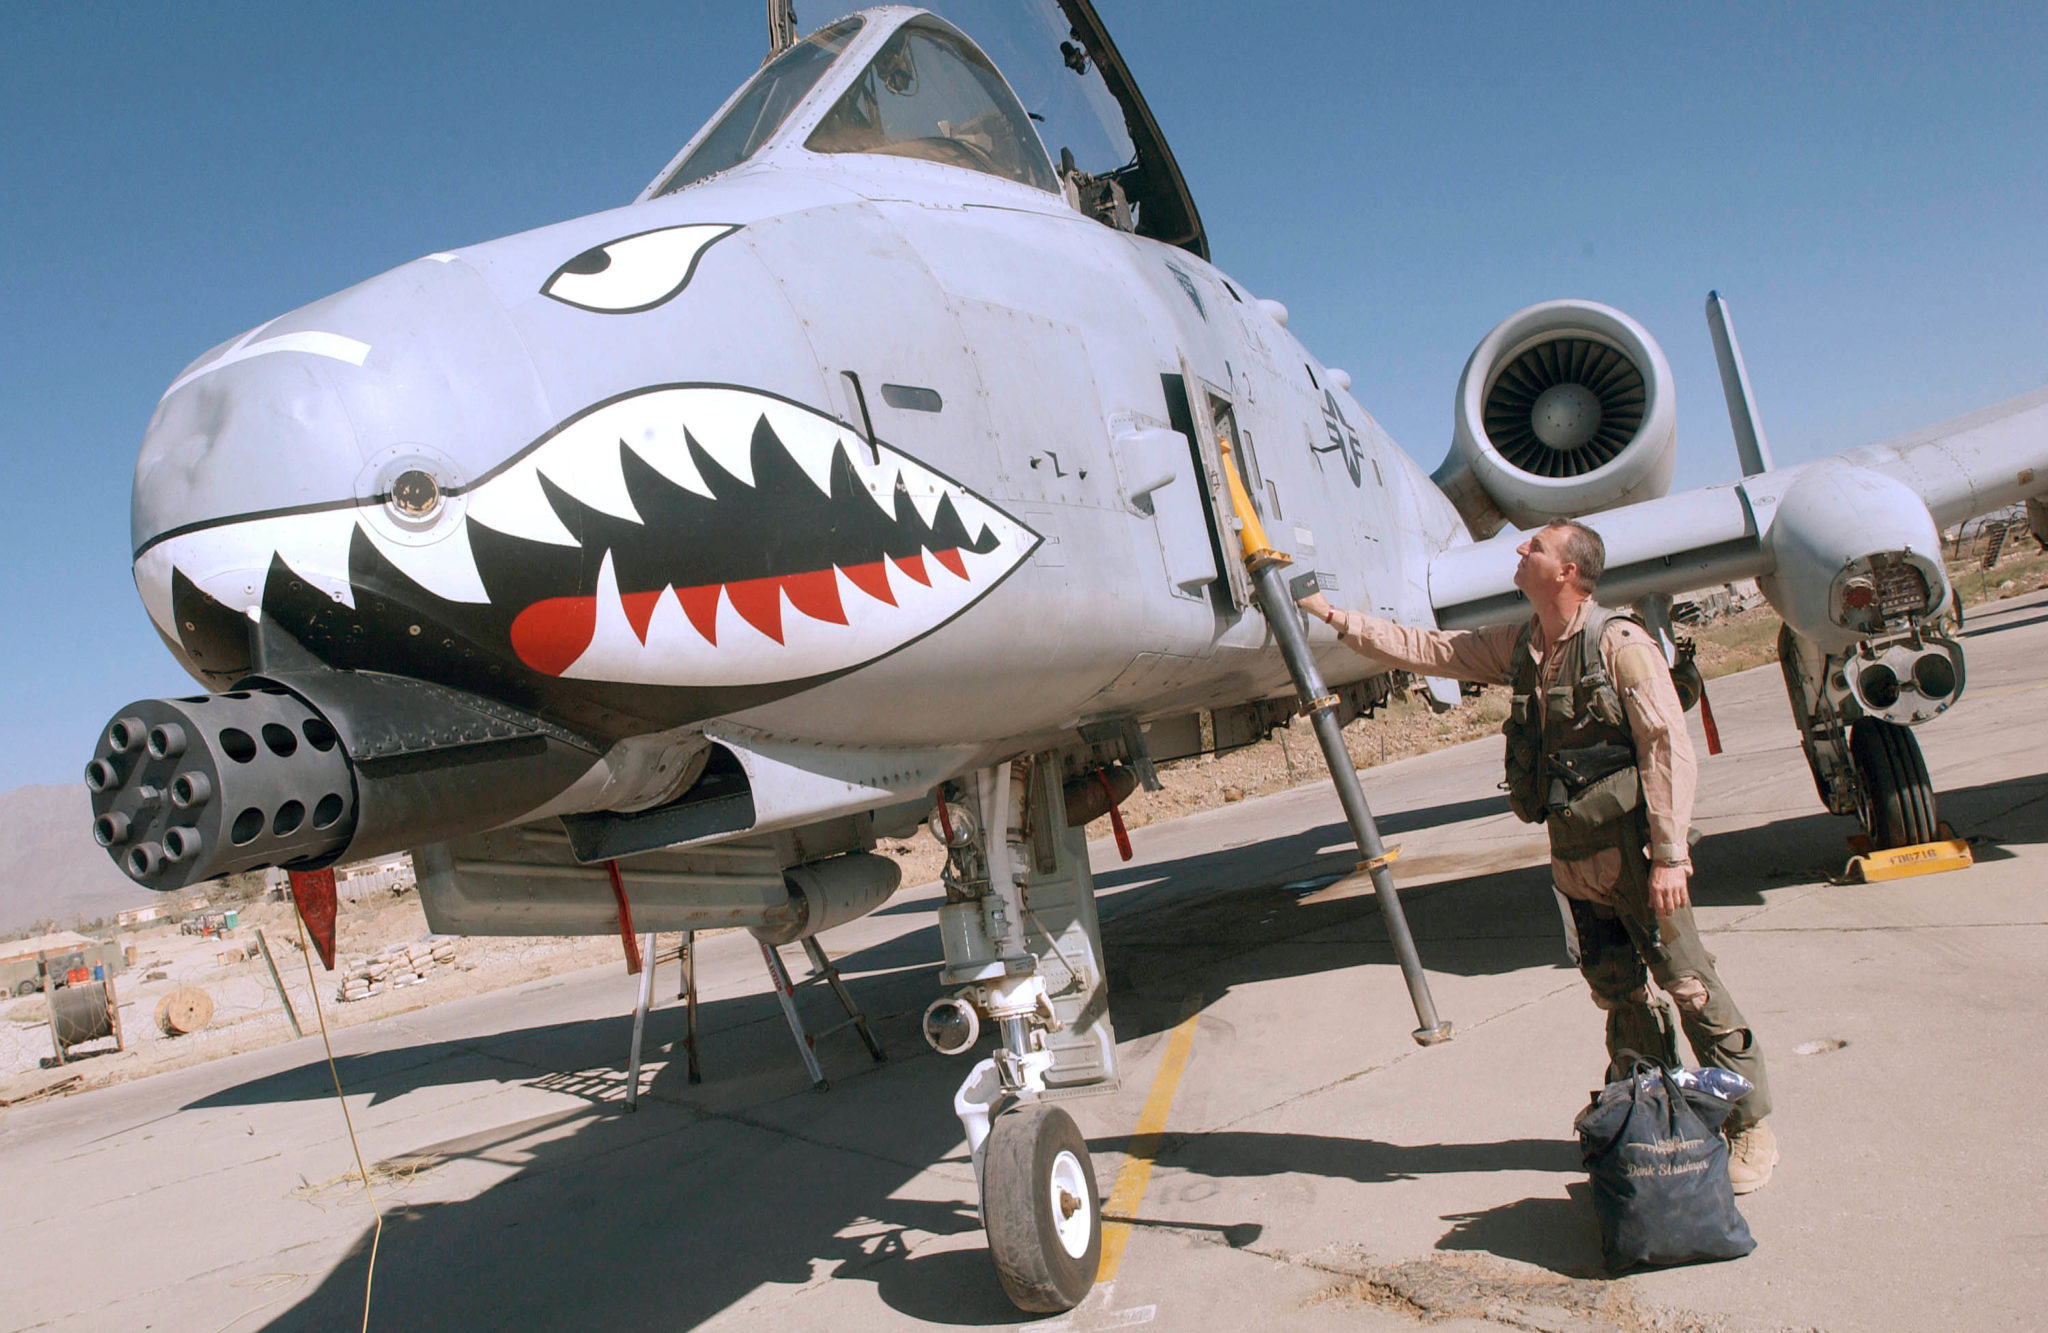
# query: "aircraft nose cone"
(309, 410)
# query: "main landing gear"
(1864, 764)
(1895, 798)
(1025, 948)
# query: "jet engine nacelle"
(1854, 555)
(1566, 408)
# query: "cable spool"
(184, 1011)
(81, 1013)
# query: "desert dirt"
(247, 1013)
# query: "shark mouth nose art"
(708, 537)
(737, 539)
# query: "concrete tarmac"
(1317, 1169)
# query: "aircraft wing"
(1970, 465)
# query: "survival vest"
(1571, 764)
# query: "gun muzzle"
(301, 769)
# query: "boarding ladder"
(822, 970)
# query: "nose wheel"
(1040, 1209)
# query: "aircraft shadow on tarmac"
(713, 1192)
(1557, 1234)
(2001, 626)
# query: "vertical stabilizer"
(1750, 445)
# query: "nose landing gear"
(1023, 942)
(1863, 765)
(1040, 1208)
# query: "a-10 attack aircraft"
(866, 472)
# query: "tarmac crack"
(1762, 908)
(1355, 1075)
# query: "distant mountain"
(50, 868)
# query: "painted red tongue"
(551, 634)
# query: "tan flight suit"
(1608, 888)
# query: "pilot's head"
(1562, 558)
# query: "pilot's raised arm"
(1483, 655)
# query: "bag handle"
(1638, 1064)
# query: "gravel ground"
(247, 1013)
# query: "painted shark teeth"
(445, 567)
(582, 458)
(230, 562)
(751, 627)
(854, 597)
(760, 633)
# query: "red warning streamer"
(625, 920)
(1707, 721)
(1116, 817)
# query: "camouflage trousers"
(1621, 947)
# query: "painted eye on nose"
(634, 273)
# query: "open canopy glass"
(1043, 70)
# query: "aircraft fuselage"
(614, 547)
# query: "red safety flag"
(313, 891)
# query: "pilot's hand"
(1316, 605)
(1668, 891)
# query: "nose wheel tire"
(1897, 798)
(1041, 1210)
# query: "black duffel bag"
(1660, 1173)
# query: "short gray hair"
(1582, 547)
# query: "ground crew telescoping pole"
(1264, 564)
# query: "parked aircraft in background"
(866, 472)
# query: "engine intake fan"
(1564, 409)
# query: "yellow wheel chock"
(1869, 866)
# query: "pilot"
(1597, 750)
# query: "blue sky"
(1866, 184)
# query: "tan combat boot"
(1752, 1152)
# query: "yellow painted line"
(1136, 1172)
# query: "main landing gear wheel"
(1898, 797)
(1040, 1209)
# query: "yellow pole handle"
(1258, 553)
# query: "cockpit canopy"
(762, 105)
(929, 93)
(910, 84)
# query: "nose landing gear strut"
(1024, 946)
